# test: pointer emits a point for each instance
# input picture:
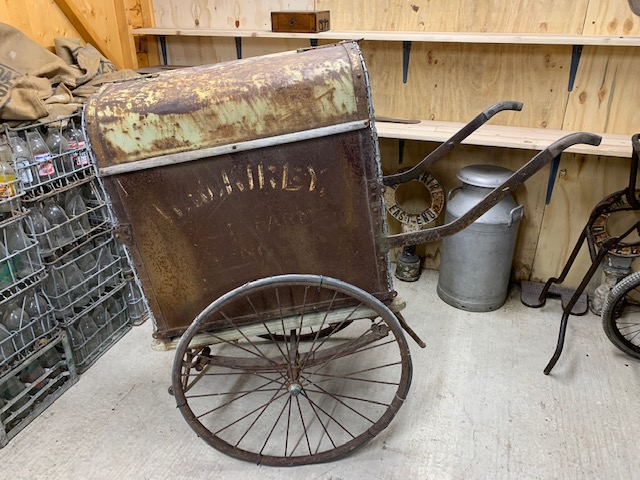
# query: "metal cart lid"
(198, 112)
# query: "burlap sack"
(36, 84)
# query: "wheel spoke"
(282, 323)
(324, 321)
(350, 376)
(304, 428)
(350, 397)
(232, 400)
(344, 352)
(255, 420)
(311, 402)
(284, 406)
(632, 337)
(268, 331)
(258, 351)
(273, 399)
(299, 331)
(286, 440)
(254, 390)
(323, 391)
(311, 352)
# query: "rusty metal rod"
(447, 146)
(633, 175)
(497, 194)
(606, 247)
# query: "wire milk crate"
(250, 195)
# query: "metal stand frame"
(623, 200)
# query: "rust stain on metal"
(200, 234)
(204, 227)
(226, 103)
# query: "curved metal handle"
(452, 191)
(513, 212)
(559, 146)
(447, 146)
(497, 194)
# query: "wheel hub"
(294, 389)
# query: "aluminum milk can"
(476, 262)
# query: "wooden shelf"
(444, 37)
(613, 145)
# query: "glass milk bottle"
(25, 260)
(41, 156)
(8, 201)
(22, 159)
(77, 211)
(63, 234)
(41, 227)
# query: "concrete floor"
(479, 407)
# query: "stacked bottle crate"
(73, 228)
(36, 364)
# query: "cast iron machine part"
(595, 234)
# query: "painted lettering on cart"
(263, 176)
(253, 178)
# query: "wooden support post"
(84, 28)
(149, 21)
(127, 45)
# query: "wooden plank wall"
(111, 21)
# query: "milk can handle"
(513, 212)
(451, 192)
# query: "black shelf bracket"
(406, 54)
(575, 61)
(313, 42)
(553, 173)
(163, 48)
(238, 47)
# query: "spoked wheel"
(283, 401)
(621, 315)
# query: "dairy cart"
(250, 195)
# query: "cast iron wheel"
(287, 403)
(621, 315)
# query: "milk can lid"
(488, 176)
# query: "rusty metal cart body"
(250, 196)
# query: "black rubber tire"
(621, 315)
(332, 395)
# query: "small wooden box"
(300, 22)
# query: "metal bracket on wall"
(400, 151)
(575, 61)
(238, 47)
(406, 54)
(163, 48)
(313, 42)
(553, 172)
